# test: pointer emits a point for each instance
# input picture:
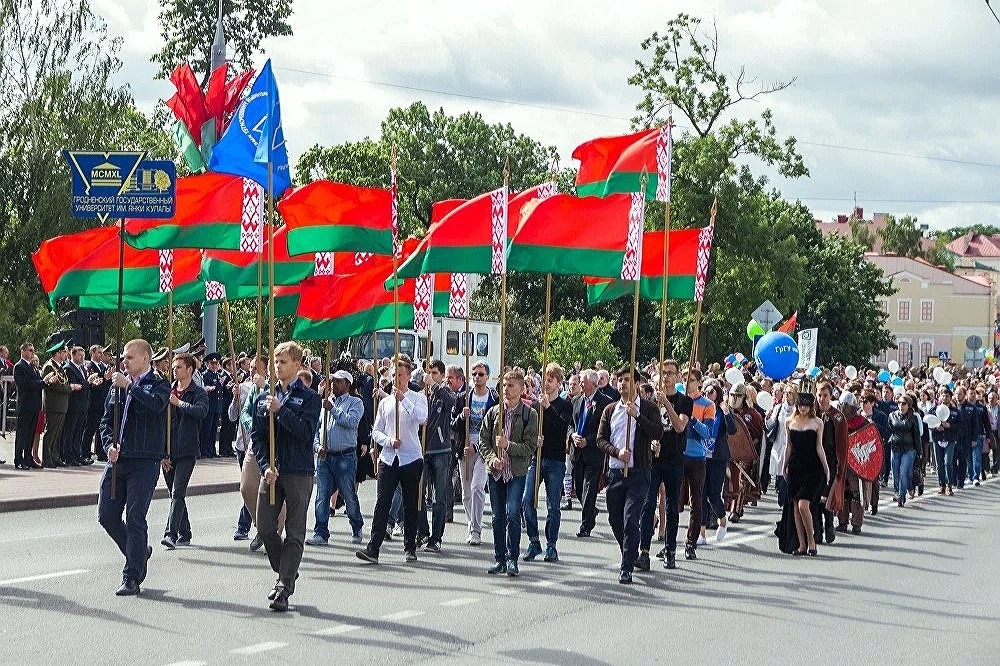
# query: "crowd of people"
(657, 442)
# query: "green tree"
(902, 236)
(57, 64)
(188, 31)
(573, 340)
(939, 255)
(862, 234)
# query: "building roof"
(893, 264)
(975, 244)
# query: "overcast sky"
(918, 77)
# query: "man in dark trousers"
(76, 411)
(296, 411)
(54, 402)
(101, 372)
(214, 380)
(626, 433)
(588, 459)
(227, 430)
(139, 397)
(29, 403)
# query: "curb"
(90, 499)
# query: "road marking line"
(454, 603)
(506, 592)
(336, 631)
(544, 583)
(188, 663)
(259, 647)
(402, 615)
(588, 573)
(58, 574)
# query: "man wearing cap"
(55, 403)
(161, 363)
(215, 387)
(337, 458)
(227, 429)
(139, 397)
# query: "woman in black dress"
(805, 469)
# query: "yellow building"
(934, 311)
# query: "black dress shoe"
(625, 577)
(583, 533)
(670, 562)
(129, 588)
(497, 568)
(280, 602)
(367, 556)
(32, 465)
(642, 562)
(689, 553)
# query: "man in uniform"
(161, 363)
(227, 431)
(214, 385)
(55, 403)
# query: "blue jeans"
(944, 457)
(396, 509)
(136, 480)
(553, 472)
(437, 474)
(337, 472)
(975, 467)
(902, 472)
(505, 503)
(711, 503)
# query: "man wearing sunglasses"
(466, 419)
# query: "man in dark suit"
(55, 402)
(98, 369)
(588, 459)
(76, 411)
(227, 431)
(29, 403)
(626, 433)
(213, 378)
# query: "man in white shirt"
(396, 431)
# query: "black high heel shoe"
(798, 553)
(813, 552)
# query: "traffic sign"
(121, 184)
(974, 342)
(767, 315)
(943, 355)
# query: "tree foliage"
(581, 340)
(901, 236)
(188, 31)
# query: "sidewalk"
(23, 490)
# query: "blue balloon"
(897, 381)
(884, 375)
(731, 358)
(951, 385)
(777, 355)
(680, 387)
(814, 373)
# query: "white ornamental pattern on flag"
(323, 263)
(214, 291)
(394, 210)
(166, 270)
(423, 296)
(704, 251)
(499, 201)
(458, 301)
(632, 260)
(664, 152)
(252, 220)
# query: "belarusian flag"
(214, 211)
(87, 263)
(615, 164)
(334, 307)
(568, 235)
(436, 295)
(197, 291)
(286, 300)
(681, 271)
(234, 268)
(333, 217)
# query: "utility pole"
(210, 312)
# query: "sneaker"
(475, 539)
(241, 535)
(433, 547)
(625, 577)
(534, 550)
(551, 555)
(422, 539)
(468, 539)
(168, 542)
(702, 540)
(720, 534)
(663, 553)
(512, 568)
(976, 482)
(316, 540)
(397, 531)
(567, 505)
(941, 490)
(388, 535)
(642, 562)
(670, 561)
(689, 553)
(411, 556)
(497, 568)
(184, 541)
(367, 556)
(256, 543)
(357, 538)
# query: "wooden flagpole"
(545, 363)
(666, 268)
(697, 314)
(326, 396)
(423, 435)
(170, 352)
(270, 317)
(467, 460)
(395, 309)
(503, 324)
(119, 398)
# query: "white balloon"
(991, 379)
(943, 413)
(765, 400)
(938, 371)
(851, 372)
(932, 420)
(945, 378)
(897, 389)
(894, 366)
(734, 376)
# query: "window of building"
(883, 304)
(905, 354)
(903, 313)
(451, 343)
(926, 351)
(926, 310)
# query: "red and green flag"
(681, 272)
(568, 235)
(234, 268)
(214, 211)
(616, 164)
(334, 217)
(196, 291)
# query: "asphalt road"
(919, 585)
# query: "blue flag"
(254, 137)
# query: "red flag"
(790, 323)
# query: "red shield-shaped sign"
(865, 452)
